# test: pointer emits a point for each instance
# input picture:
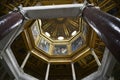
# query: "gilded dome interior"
(61, 27)
(73, 31)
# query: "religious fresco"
(60, 49)
(35, 30)
(77, 43)
(44, 45)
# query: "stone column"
(96, 58)
(73, 71)
(47, 72)
(25, 60)
(106, 26)
(9, 22)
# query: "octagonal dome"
(47, 33)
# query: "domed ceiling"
(63, 27)
(60, 36)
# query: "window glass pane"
(35, 30)
(77, 43)
(44, 45)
